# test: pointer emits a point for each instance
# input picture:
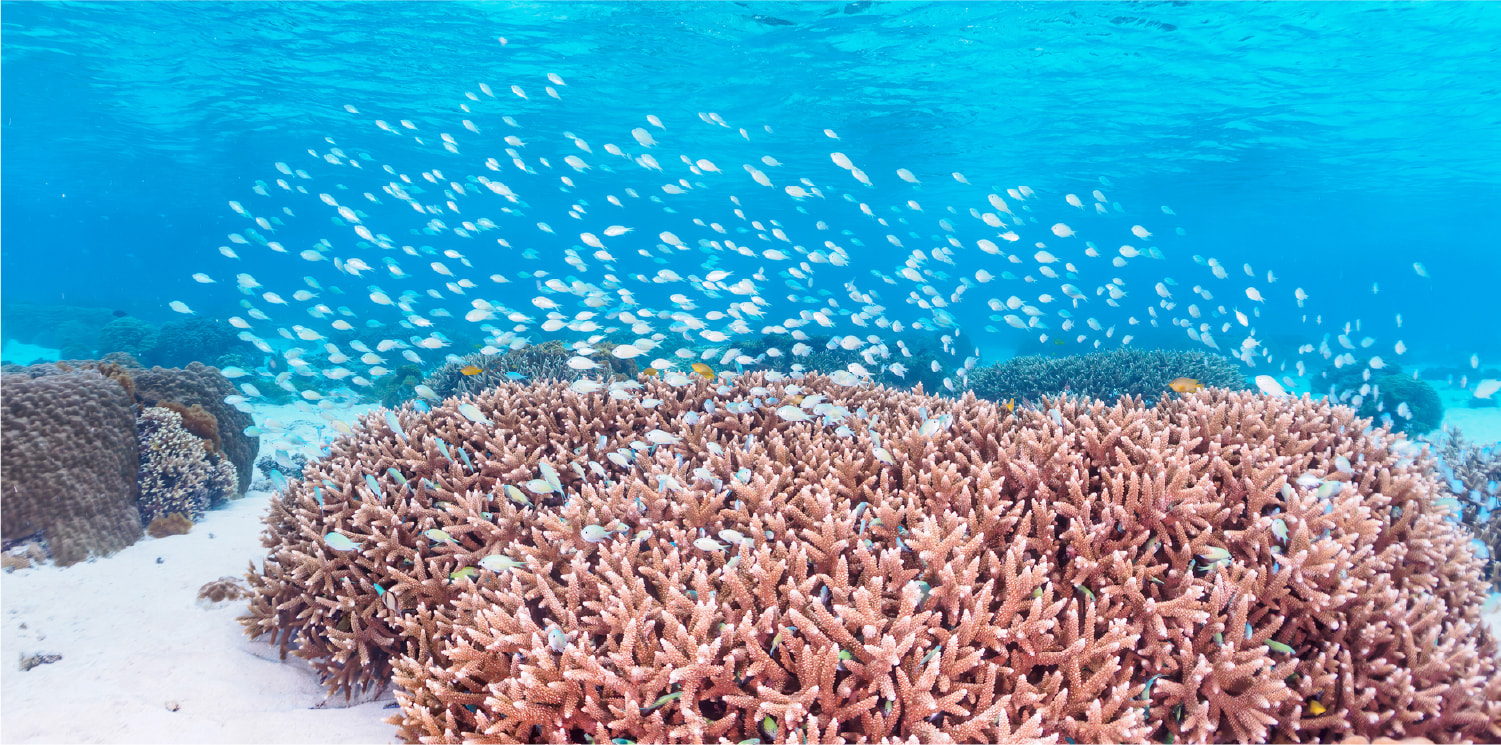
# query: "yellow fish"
(470, 370)
(1316, 708)
(703, 370)
(651, 372)
(1186, 385)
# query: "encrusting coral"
(172, 523)
(829, 564)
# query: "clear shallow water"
(1334, 144)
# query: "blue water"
(1334, 144)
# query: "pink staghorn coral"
(940, 570)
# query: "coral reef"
(397, 388)
(172, 523)
(53, 325)
(1473, 474)
(545, 363)
(291, 468)
(128, 334)
(200, 339)
(537, 565)
(1388, 394)
(69, 462)
(178, 474)
(1103, 375)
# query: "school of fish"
(521, 232)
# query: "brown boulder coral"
(69, 462)
(755, 561)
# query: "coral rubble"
(535, 564)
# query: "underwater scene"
(750, 372)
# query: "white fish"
(582, 363)
(906, 175)
(180, 306)
(1063, 231)
(1140, 232)
(1269, 385)
(658, 437)
(585, 386)
(204, 278)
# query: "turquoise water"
(316, 197)
(1331, 144)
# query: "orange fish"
(1186, 385)
(470, 370)
(703, 370)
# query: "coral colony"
(778, 560)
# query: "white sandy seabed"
(143, 661)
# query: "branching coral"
(542, 363)
(548, 565)
(1103, 375)
(199, 385)
(178, 474)
(1473, 475)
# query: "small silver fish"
(709, 544)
